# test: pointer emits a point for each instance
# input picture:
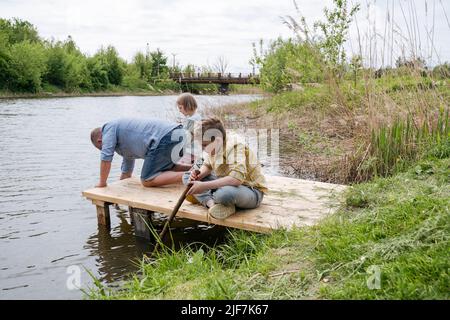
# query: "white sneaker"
(219, 211)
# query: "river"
(48, 232)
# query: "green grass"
(398, 225)
(313, 141)
(309, 97)
(394, 147)
(395, 83)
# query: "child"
(237, 181)
(188, 106)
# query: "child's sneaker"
(219, 211)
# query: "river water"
(48, 233)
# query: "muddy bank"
(313, 145)
(9, 95)
(121, 93)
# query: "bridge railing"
(212, 75)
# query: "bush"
(442, 71)
(290, 62)
(27, 65)
(27, 61)
(18, 31)
(134, 82)
(114, 65)
(4, 60)
(98, 73)
(67, 67)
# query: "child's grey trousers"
(243, 197)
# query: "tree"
(4, 60)
(221, 65)
(143, 65)
(27, 66)
(287, 62)
(18, 30)
(115, 66)
(329, 35)
(67, 66)
(256, 60)
(106, 67)
(98, 70)
(334, 34)
(160, 70)
(56, 64)
(273, 75)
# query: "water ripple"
(46, 160)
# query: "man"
(158, 142)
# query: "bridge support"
(224, 88)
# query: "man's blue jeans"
(242, 197)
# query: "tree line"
(29, 63)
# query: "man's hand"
(101, 185)
(198, 187)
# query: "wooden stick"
(172, 216)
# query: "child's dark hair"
(212, 123)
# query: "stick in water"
(172, 215)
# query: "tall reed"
(394, 147)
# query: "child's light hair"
(187, 100)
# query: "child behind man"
(187, 105)
(230, 176)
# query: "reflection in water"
(46, 227)
(118, 251)
(115, 250)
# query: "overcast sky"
(198, 31)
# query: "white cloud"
(198, 31)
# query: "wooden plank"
(290, 202)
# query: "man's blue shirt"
(131, 138)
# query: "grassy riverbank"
(385, 132)
(118, 92)
(397, 226)
(62, 94)
(392, 223)
(332, 133)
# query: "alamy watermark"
(73, 281)
(373, 281)
(263, 143)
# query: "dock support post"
(223, 88)
(130, 211)
(103, 216)
(142, 222)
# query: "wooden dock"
(290, 202)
